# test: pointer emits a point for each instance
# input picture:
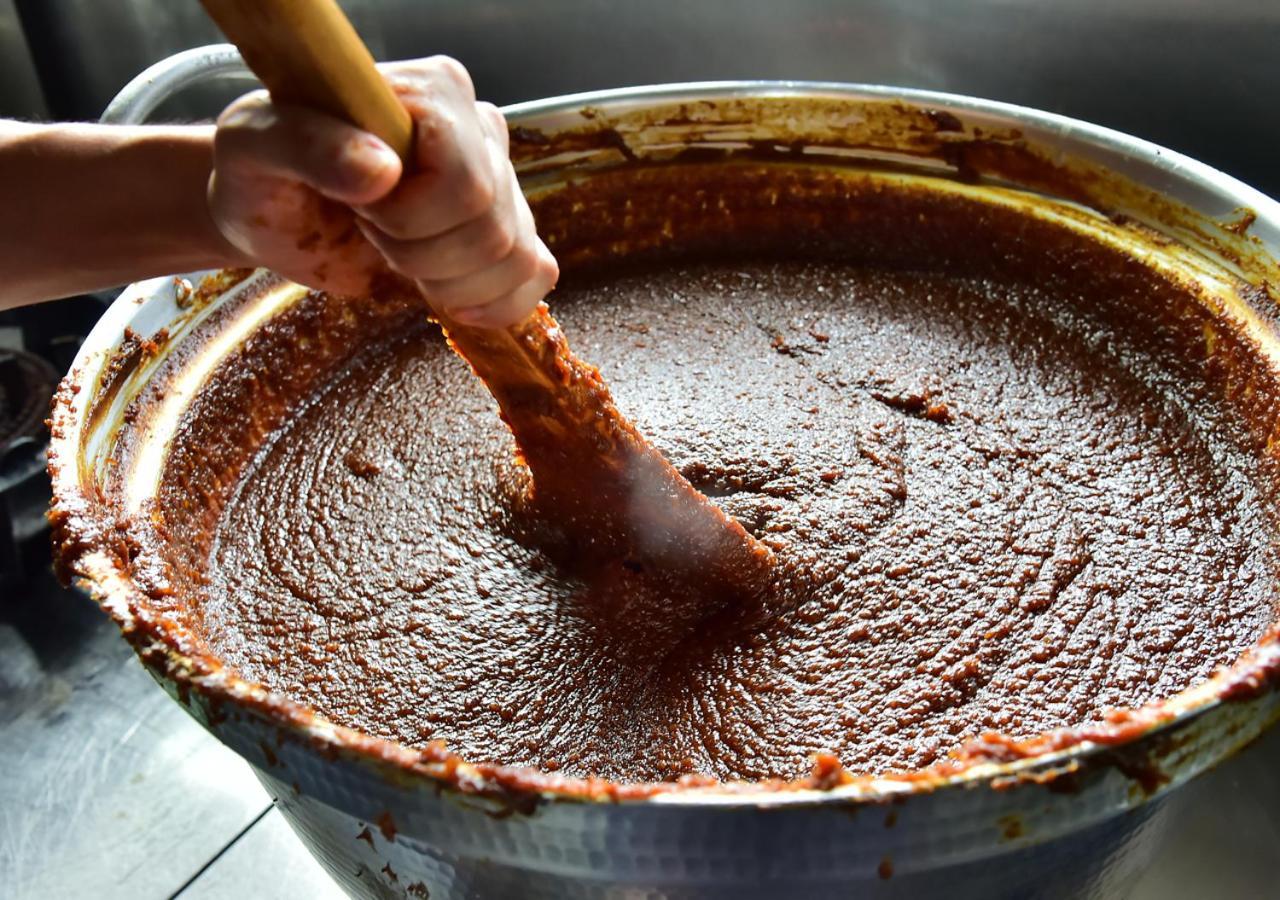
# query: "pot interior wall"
(634, 217)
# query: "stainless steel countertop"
(109, 790)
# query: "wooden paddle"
(593, 474)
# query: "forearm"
(85, 207)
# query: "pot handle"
(140, 97)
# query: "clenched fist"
(330, 206)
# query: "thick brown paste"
(990, 510)
(1010, 478)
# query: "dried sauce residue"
(952, 564)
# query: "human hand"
(329, 206)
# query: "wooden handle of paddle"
(307, 53)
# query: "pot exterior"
(1075, 823)
(1088, 832)
(1102, 862)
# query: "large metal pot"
(1067, 815)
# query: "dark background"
(1199, 77)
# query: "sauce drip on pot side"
(988, 509)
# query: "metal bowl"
(1067, 814)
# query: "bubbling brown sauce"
(994, 461)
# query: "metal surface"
(105, 782)
(138, 101)
(331, 788)
(1190, 75)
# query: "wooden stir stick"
(607, 491)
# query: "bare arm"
(86, 207)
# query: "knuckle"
(399, 67)
(550, 270)
(408, 74)
(499, 240)
(491, 114)
(494, 124)
(455, 73)
(525, 263)
(435, 127)
(476, 195)
(522, 210)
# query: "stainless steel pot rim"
(1074, 131)
(110, 588)
(142, 94)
